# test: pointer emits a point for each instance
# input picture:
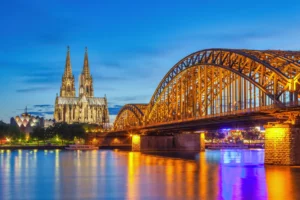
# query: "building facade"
(82, 109)
(27, 122)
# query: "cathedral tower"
(84, 108)
(86, 80)
(68, 84)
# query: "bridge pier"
(178, 142)
(282, 144)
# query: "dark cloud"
(40, 72)
(42, 110)
(41, 80)
(41, 114)
(22, 109)
(44, 76)
(114, 110)
(43, 106)
(34, 89)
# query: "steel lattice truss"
(221, 81)
(130, 115)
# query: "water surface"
(105, 174)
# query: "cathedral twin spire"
(86, 67)
(86, 80)
(68, 81)
(68, 68)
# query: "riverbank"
(40, 147)
(48, 147)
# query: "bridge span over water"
(215, 87)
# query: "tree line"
(59, 132)
(10, 132)
(62, 131)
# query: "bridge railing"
(234, 112)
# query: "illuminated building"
(83, 109)
(26, 122)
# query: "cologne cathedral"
(82, 109)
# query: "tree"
(38, 134)
(76, 130)
(14, 133)
(62, 130)
(11, 132)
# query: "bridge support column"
(202, 141)
(136, 143)
(282, 144)
(178, 142)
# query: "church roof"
(92, 101)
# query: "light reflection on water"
(226, 174)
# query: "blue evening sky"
(131, 43)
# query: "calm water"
(230, 174)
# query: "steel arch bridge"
(216, 82)
(130, 115)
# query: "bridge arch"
(130, 115)
(216, 81)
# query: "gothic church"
(83, 109)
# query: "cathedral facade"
(84, 108)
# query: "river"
(113, 174)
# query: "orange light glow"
(202, 135)
(136, 139)
(136, 143)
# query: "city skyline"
(130, 50)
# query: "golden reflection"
(190, 173)
(132, 175)
(178, 177)
(93, 170)
(279, 183)
(170, 171)
(202, 179)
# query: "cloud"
(42, 114)
(42, 110)
(34, 89)
(46, 76)
(114, 110)
(43, 106)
